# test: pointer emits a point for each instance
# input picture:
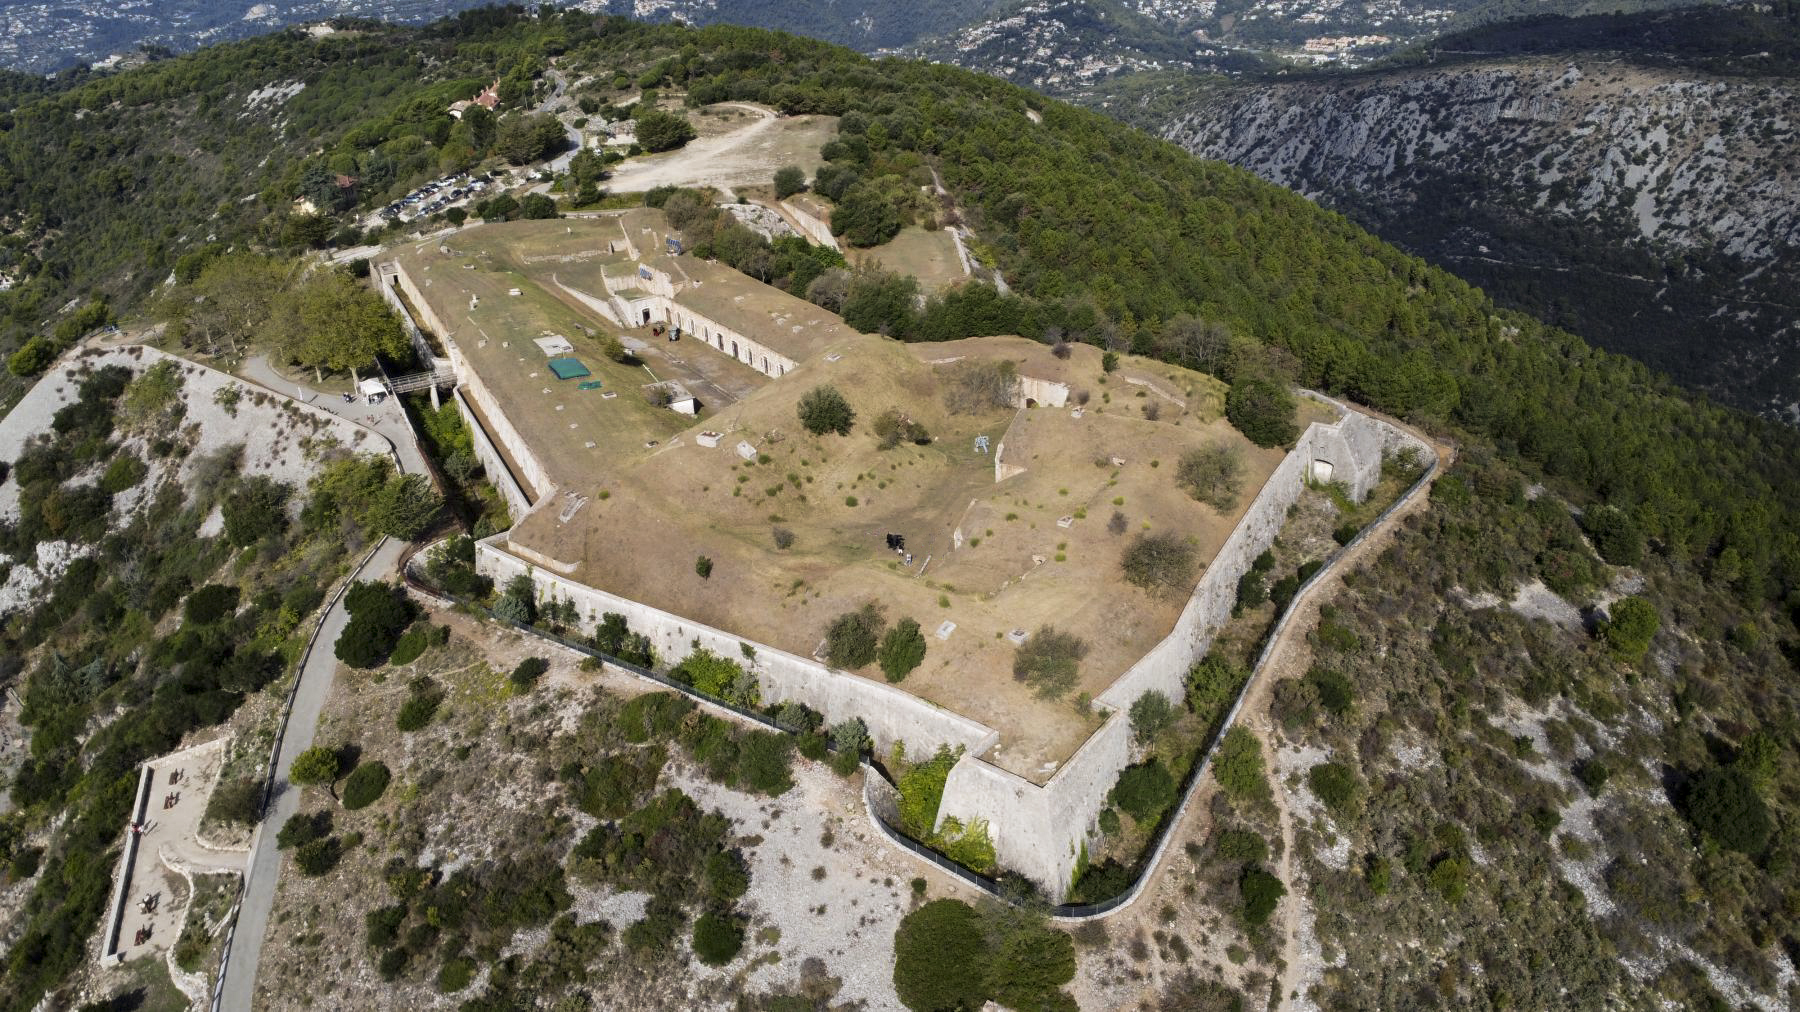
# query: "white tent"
(371, 390)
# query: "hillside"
(1063, 46)
(1644, 199)
(1530, 730)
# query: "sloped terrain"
(1651, 208)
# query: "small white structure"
(1065, 522)
(554, 345)
(1017, 636)
(708, 439)
(372, 390)
(944, 631)
(745, 450)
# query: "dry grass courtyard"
(1037, 548)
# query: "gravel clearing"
(1534, 600)
(847, 915)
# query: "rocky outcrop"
(1656, 211)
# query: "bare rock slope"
(1655, 210)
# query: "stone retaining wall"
(891, 714)
(1040, 831)
(517, 502)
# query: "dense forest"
(1103, 234)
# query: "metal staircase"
(442, 376)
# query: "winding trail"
(1290, 656)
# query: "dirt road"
(1290, 656)
(743, 155)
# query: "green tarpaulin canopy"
(568, 368)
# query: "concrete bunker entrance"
(1321, 471)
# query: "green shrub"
(1029, 966)
(1238, 767)
(318, 856)
(1050, 662)
(33, 357)
(1261, 892)
(1345, 533)
(418, 709)
(237, 800)
(1723, 804)
(302, 828)
(1616, 535)
(854, 638)
(379, 612)
(1144, 791)
(1151, 715)
(653, 715)
(526, 673)
(765, 762)
(392, 963)
(1160, 563)
(1593, 774)
(789, 180)
(1336, 785)
(125, 471)
(941, 958)
(381, 927)
(254, 508)
(317, 766)
(455, 974)
(1262, 409)
(1212, 684)
(718, 677)
(1108, 821)
(921, 790)
(411, 644)
(902, 650)
(211, 603)
(813, 746)
(1450, 877)
(717, 939)
(612, 786)
(1251, 591)
(1212, 474)
(1629, 627)
(727, 877)
(656, 932)
(1241, 846)
(365, 784)
(1335, 692)
(703, 567)
(822, 409)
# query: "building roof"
(781, 322)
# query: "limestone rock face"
(1653, 210)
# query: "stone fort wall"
(1041, 831)
(1038, 831)
(891, 714)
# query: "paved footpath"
(316, 674)
(317, 670)
(387, 418)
